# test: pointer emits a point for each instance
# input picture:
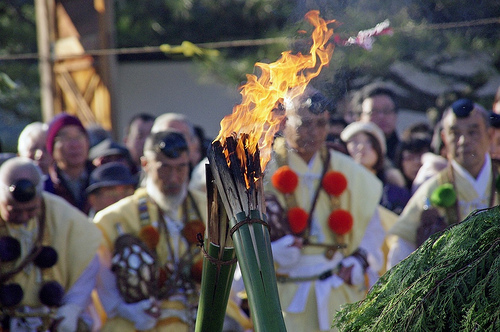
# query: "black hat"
(462, 107)
(110, 174)
(108, 147)
(170, 143)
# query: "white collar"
(481, 183)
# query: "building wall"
(160, 87)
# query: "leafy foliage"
(19, 99)
(450, 283)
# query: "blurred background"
(107, 60)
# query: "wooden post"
(45, 38)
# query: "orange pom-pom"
(340, 221)
(297, 218)
(150, 236)
(285, 180)
(197, 270)
(192, 229)
(334, 183)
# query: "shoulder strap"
(325, 155)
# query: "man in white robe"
(469, 176)
(313, 281)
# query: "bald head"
(179, 122)
(18, 176)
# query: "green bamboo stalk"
(215, 288)
(253, 249)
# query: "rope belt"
(284, 278)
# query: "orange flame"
(261, 95)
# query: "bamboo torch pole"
(219, 265)
(240, 187)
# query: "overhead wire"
(240, 43)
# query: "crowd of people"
(101, 235)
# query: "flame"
(258, 114)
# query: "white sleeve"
(77, 297)
(79, 293)
(106, 284)
(372, 242)
(399, 251)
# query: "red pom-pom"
(334, 183)
(285, 180)
(340, 222)
(192, 229)
(297, 218)
(150, 236)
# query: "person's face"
(411, 163)
(169, 175)
(105, 196)
(467, 140)
(20, 212)
(71, 147)
(306, 132)
(360, 148)
(139, 131)
(37, 151)
(381, 110)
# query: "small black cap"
(23, 190)
(171, 143)
(319, 103)
(462, 107)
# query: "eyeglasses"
(23, 190)
(64, 139)
(358, 144)
(309, 123)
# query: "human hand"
(351, 271)
(286, 250)
(144, 314)
(67, 317)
